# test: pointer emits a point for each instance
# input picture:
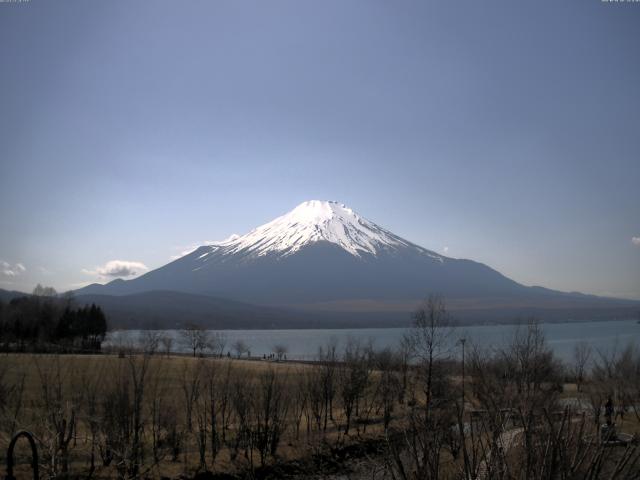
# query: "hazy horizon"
(503, 133)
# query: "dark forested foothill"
(45, 321)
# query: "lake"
(304, 344)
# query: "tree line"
(45, 321)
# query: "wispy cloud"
(118, 268)
(45, 271)
(74, 286)
(635, 241)
(188, 249)
(9, 270)
(445, 249)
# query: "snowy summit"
(315, 221)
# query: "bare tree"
(150, 341)
(191, 378)
(40, 291)
(430, 418)
(202, 415)
(59, 422)
(532, 368)
(581, 357)
(615, 377)
(270, 413)
(138, 368)
(217, 342)
(430, 339)
(299, 399)
(316, 395)
(195, 337)
(11, 395)
(213, 402)
(516, 387)
(353, 378)
(223, 392)
(389, 383)
(156, 405)
(167, 343)
(242, 394)
(169, 422)
(240, 347)
(328, 363)
(123, 416)
(90, 383)
(279, 351)
(404, 358)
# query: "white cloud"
(635, 241)
(8, 270)
(445, 249)
(118, 268)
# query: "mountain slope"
(8, 295)
(165, 309)
(323, 253)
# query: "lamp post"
(462, 342)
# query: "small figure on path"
(608, 411)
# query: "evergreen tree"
(42, 319)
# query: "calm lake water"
(304, 344)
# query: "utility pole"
(462, 342)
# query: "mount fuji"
(323, 257)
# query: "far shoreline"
(348, 327)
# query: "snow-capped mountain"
(316, 221)
(323, 256)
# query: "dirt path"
(505, 442)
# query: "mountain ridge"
(322, 252)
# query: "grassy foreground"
(107, 416)
(414, 413)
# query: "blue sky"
(506, 132)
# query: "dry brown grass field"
(356, 414)
(79, 388)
